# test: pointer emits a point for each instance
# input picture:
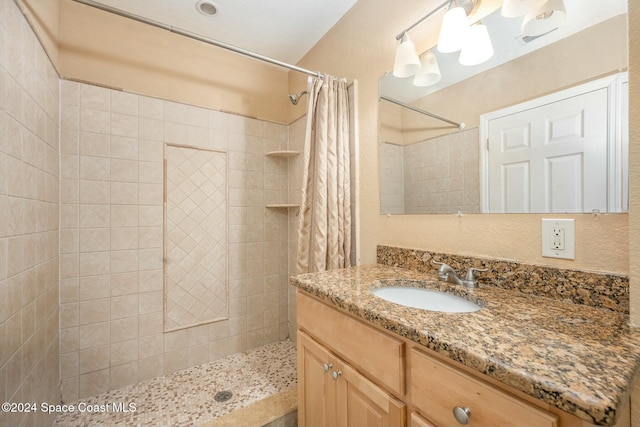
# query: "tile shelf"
(282, 205)
(283, 153)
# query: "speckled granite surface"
(578, 358)
(581, 287)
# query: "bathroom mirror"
(432, 166)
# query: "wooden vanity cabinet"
(354, 374)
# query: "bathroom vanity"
(520, 360)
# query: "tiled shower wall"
(442, 175)
(111, 237)
(29, 174)
(391, 179)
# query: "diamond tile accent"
(196, 285)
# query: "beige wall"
(634, 160)
(166, 65)
(29, 188)
(370, 28)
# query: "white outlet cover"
(569, 251)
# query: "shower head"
(294, 98)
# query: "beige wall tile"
(124, 147)
(124, 238)
(94, 144)
(124, 103)
(176, 360)
(94, 215)
(124, 170)
(124, 261)
(151, 280)
(124, 193)
(94, 335)
(124, 352)
(123, 375)
(93, 359)
(124, 125)
(150, 324)
(94, 263)
(93, 287)
(94, 239)
(124, 329)
(124, 306)
(124, 215)
(94, 192)
(94, 121)
(94, 97)
(94, 383)
(94, 311)
(151, 367)
(94, 168)
(124, 284)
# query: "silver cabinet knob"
(462, 414)
(336, 374)
(327, 366)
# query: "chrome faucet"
(447, 274)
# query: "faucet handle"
(471, 273)
(444, 268)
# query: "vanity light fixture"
(407, 62)
(546, 18)
(540, 16)
(429, 73)
(453, 30)
(477, 46)
(454, 33)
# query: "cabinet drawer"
(373, 352)
(436, 388)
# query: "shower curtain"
(324, 233)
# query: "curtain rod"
(426, 113)
(194, 36)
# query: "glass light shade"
(544, 19)
(513, 8)
(429, 73)
(453, 30)
(477, 47)
(407, 62)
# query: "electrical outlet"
(558, 238)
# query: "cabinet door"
(316, 389)
(362, 403)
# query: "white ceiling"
(282, 29)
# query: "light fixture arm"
(469, 7)
(399, 36)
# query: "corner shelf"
(282, 205)
(283, 153)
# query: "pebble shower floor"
(186, 398)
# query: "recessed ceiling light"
(207, 7)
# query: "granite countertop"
(578, 358)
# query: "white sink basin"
(426, 299)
